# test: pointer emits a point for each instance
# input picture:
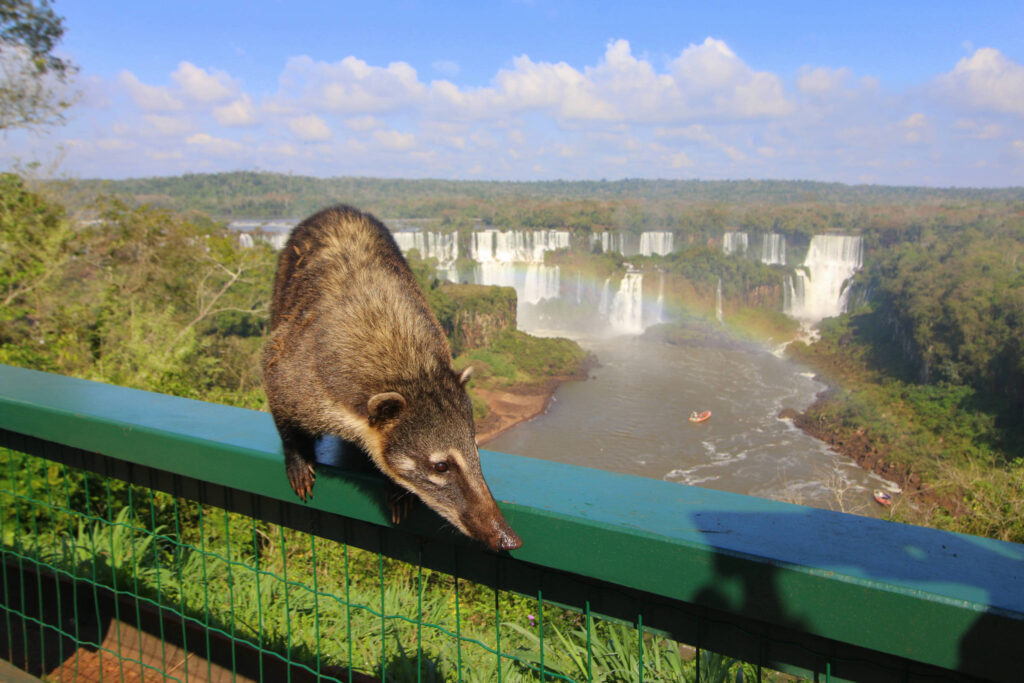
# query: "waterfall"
(626, 315)
(579, 287)
(817, 291)
(718, 301)
(773, 249)
(619, 242)
(658, 243)
(515, 258)
(444, 247)
(542, 282)
(515, 246)
(734, 242)
(533, 282)
(602, 307)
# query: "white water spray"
(626, 316)
(819, 289)
(718, 301)
(734, 242)
(773, 249)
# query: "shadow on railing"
(157, 532)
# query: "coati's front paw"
(302, 476)
(399, 502)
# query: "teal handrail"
(941, 599)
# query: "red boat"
(701, 416)
(882, 497)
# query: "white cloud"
(203, 86)
(712, 70)
(821, 80)
(216, 146)
(168, 125)
(916, 129)
(350, 86)
(681, 160)
(160, 155)
(394, 140)
(363, 123)
(310, 127)
(987, 80)
(241, 112)
(115, 144)
(148, 97)
(979, 130)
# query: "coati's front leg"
(299, 458)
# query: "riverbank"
(509, 406)
(876, 424)
(857, 444)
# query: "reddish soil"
(508, 407)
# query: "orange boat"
(702, 416)
(882, 497)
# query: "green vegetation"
(33, 80)
(693, 207)
(516, 358)
(952, 440)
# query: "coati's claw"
(302, 480)
(399, 502)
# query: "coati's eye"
(441, 466)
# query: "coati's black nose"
(506, 539)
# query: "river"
(631, 417)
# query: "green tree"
(33, 81)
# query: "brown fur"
(355, 351)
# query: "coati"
(355, 351)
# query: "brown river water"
(631, 417)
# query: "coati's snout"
(448, 479)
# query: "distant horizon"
(910, 94)
(539, 181)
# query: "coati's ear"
(384, 407)
(466, 374)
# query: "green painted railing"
(779, 586)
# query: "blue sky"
(894, 93)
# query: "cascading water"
(649, 243)
(718, 301)
(773, 249)
(436, 245)
(626, 315)
(818, 290)
(515, 258)
(515, 246)
(734, 242)
(656, 243)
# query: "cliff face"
(481, 313)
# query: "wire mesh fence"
(84, 554)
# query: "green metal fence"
(147, 537)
